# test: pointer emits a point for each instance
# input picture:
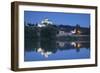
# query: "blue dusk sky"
(58, 18)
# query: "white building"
(45, 22)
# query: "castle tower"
(45, 22)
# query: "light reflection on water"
(56, 50)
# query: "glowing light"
(42, 52)
(74, 31)
(39, 50)
(74, 44)
(78, 32)
(78, 45)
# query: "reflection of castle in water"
(48, 47)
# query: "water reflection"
(56, 49)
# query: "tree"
(48, 32)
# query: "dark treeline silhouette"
(66, 28)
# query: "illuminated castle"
(45, 22)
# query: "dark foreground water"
(46, 49)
